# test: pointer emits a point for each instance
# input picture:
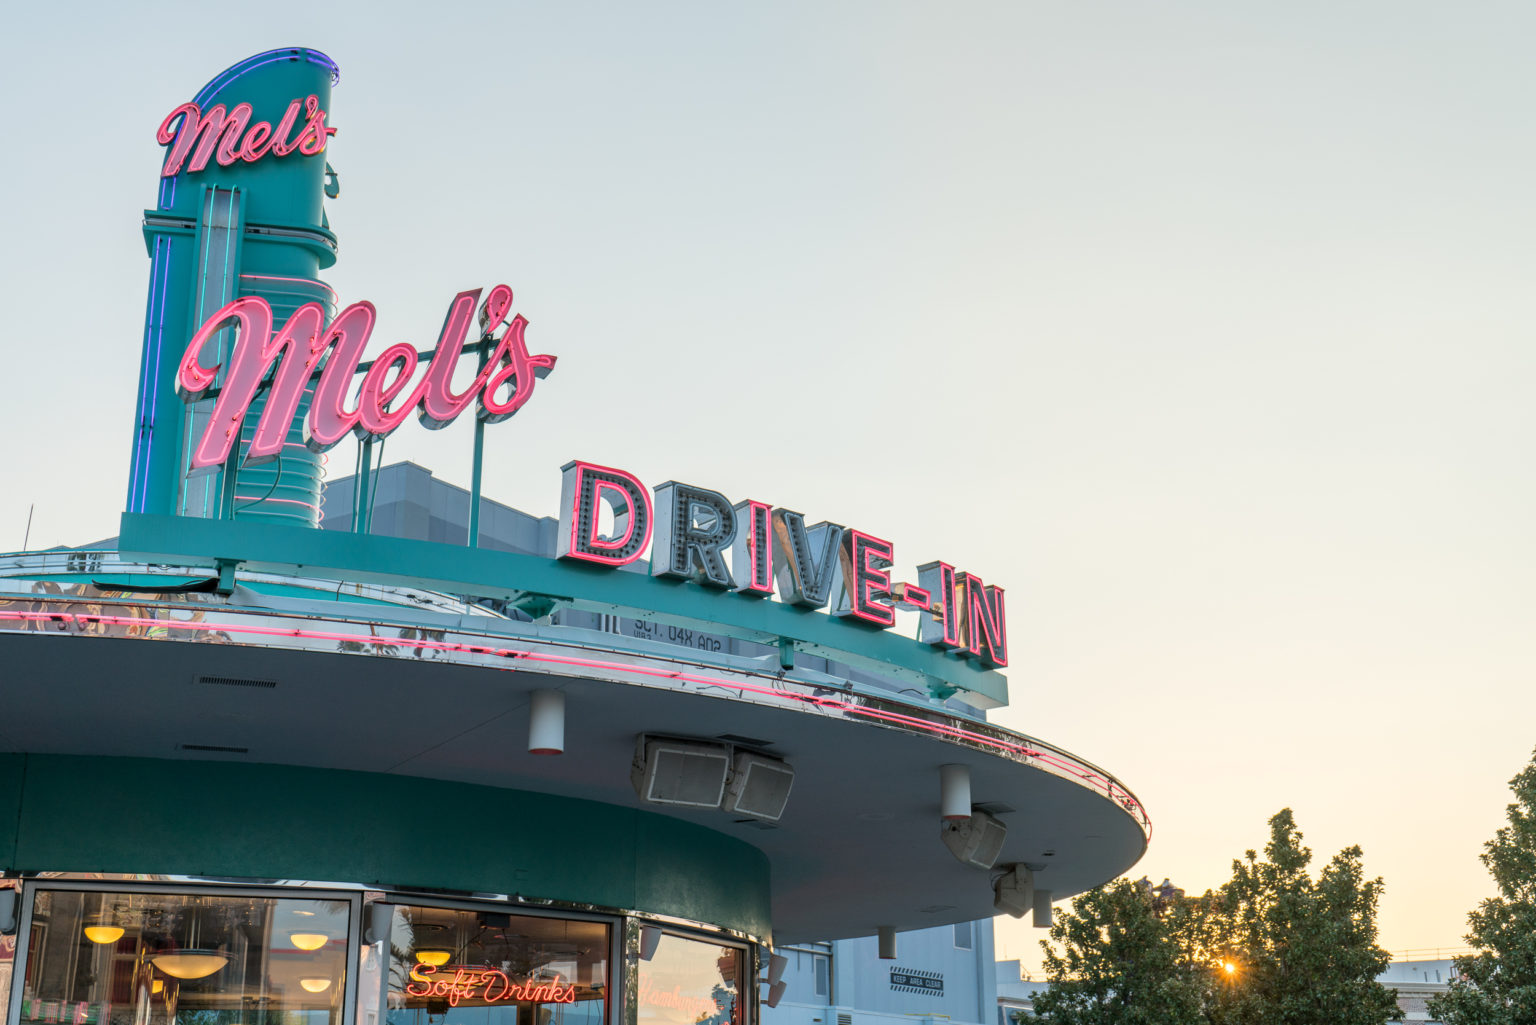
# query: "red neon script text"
(222, 134)
(292, 355)
(488, 984)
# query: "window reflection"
(688, 982)
(455, 967)
(183, 959)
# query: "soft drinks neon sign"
(491, 985)
(293, 354)
(228, 135)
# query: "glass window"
(682, 981)
(456, 967)
(183, 959)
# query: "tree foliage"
(1306, 949)
(1116, 965)
(1497, 983)
(1272, 946)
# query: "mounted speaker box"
(1014, 891)
(680, 773)
(976, 841)
(759, 786)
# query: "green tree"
(1118, 964)
(1305, 950)
(1497, 984)
(1273, 946)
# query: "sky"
(1204, 328)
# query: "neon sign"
(827, 564)
(223, 134)
(491, 985)
(503, 385)
(675, 999)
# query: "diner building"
(271, 756)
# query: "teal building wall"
(136, 815)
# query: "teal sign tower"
(239, 212)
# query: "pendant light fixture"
(317, 984)
(190, 964)
(434, 956)
(192, 961)
(308, 940)
(103, 933)
(103, 928)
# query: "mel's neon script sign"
(292, 357)
(228, 135)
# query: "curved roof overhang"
(434, 694)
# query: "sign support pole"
(475, 472)
(360, 499)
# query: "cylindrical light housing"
(546, 723)
(955, 792)
(1042, 909)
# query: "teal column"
(248, 228)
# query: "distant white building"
(1415, 981)
(1015, 992)
(945, 975)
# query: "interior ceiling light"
(308, 940)
(436, 957)
(103, 933)
(190, 964)
(315, 985)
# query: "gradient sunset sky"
(1203, 328)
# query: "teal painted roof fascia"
(487, 573)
